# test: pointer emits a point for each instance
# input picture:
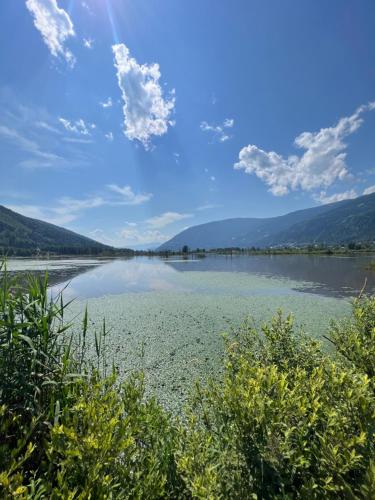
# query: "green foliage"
(287, 420)
(112, 443)
(35, 360)
(355, 339)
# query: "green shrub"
(112, 443)
(354, 339)
(286, 419)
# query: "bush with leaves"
(112, 443)
(354, 339)
(286, 419)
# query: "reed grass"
(287, 420)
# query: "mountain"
(22, 235)
(340, 222)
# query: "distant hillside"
(341, 222)
(23, 236)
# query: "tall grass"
(286, 420)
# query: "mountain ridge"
(334, 223)
(23, 235)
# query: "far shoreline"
(200, 253)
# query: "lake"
(167, 316)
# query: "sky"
(130, 120)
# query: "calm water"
(167, 316)
(88, 278)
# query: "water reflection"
(329, 275)
(325, 275)
(122, 276)
(59, 271)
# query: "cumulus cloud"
(220, 132)
(166, 218)
(128, 196)
(323, 198)
(55, 26)
(77, 127)
(146, 112)
(109, 136)
(369, 190)
(322, 163)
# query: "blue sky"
(129, 120)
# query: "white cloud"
(54, 25)
(43, 213)
(131, 236)
(219, 131)
(325, 199)
(32, 130)
(208, 206)
(77, 140)
(166, 218)
(109, 136)
(146, 112)
(102, 236)
(47, 126)
(107, 104)
(128, 195)
(78, 127)
(75, 205)
(322, 163)
(228, 123)
(369, 190)
(176, 157)
(86, 6)
(27, 145)
(88, 43)
(67, 209)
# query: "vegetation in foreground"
(287, 420)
